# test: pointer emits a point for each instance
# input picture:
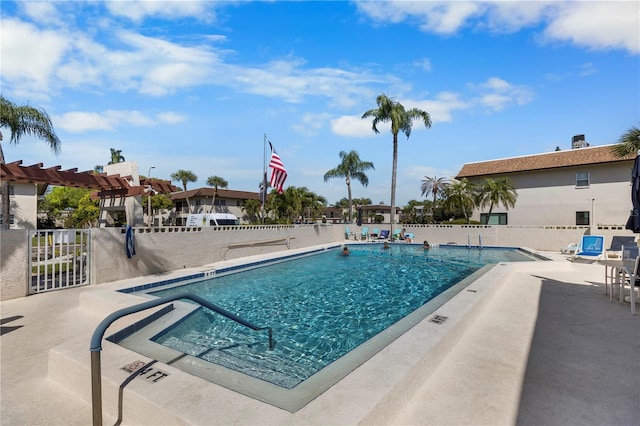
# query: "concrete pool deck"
(546, 347)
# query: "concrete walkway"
(548, 349)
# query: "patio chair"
(590, 248)
(615, 250)
(396, 233)
(570, 249)
(348, 233)
(384, 234)
(630, 260)
(364, 235)
(374, 234)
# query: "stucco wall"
(14, 262)
(550, 197)
(165, 249)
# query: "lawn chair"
(590, 248)
(384, 234)
(348, 233)
(364, 235)
(615, 250)
(374, 234)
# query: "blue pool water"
(320, 307)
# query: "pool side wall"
(164, 249)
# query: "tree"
(216, 182)
(493, 192)
(628, 144)
(159, 202)
(292, 203)
(435, 187)
(350, 167)
(401, 121)
(184, 176)
(460, 195)
(251, 208)
(22, 120)
(116, 156)
(72, 205)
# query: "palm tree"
(22, 120)
(116, 156)
(460, 195)
(434, 186)
(350, 167)
(496, 191)
(401, 121)
(216, 182)
(184, 176)
(628, 144)
(252, 210)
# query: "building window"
(495, 219)
(582, 218)
(582, 179)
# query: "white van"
(212, 219)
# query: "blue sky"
(197, 85)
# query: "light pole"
(592, 219)
(149, 195)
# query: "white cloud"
(351, 125)
(139, 10)
(592, 24)
(171, 117)
(598, 25)
(497, 94)
(29, 55)
(82, 121)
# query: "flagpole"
(263, 193)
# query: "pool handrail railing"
(98, 335)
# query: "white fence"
(58, 259)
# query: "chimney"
(578, 142)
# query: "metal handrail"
(98, 335)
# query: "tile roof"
(222, 193)
(552, 160)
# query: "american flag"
(278, 172)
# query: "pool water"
(320, 307)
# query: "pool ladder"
(98, 334)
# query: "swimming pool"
(322, 309)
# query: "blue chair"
(384, 234)
(348, 233)
(364, 235)
(590, 248)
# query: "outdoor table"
(612, 275)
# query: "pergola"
(106, 186)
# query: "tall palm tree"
(435, 187)
(496, 191)
(350, 167)
(628, 144)
(216, 182)
(460, 195)
(116, 156)
(184, 176)
(401, 121)
(22, 120)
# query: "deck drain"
(438, 319)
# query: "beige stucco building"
(581, 186)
